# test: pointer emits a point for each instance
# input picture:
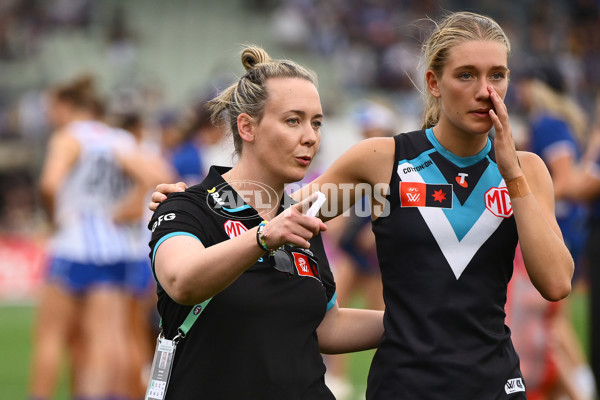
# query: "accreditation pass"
(161, 369)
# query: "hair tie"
(252, 75)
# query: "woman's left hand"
(161, 192)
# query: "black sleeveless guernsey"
(446, 254)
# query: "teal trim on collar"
(332, 302)
(237, 209)
(461, 162)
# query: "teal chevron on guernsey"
(462, 229)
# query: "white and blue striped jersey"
(86, 201)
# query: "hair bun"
(254, 55)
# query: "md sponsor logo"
(166, 217)
(498, 202)
(234, 228)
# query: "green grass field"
(16, 323)
(15, 349)
(15, 339)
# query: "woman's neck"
(260, 189)
(458, 142)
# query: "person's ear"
(432, 83)
(246, 127)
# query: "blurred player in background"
(552, 362)
(585, 185)
(89, 169)
(551, 354)
(126, 112)
(181, 148)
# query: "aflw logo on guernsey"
(304, 266)
(498, 202)
(234, 228)
(418, 194)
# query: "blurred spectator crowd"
(376, 42)
(370, 46)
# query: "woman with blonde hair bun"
(233, 254)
